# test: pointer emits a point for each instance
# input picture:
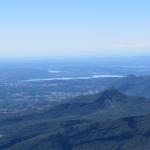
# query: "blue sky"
(39, 28)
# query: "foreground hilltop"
(132, 133)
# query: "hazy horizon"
(34, 29)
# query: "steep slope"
(109, 104)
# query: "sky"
(51, 28)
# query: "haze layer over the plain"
(70, 28)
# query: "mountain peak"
(109, 94)
(111, 91)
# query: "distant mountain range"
(134, 85)
(103, 121)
